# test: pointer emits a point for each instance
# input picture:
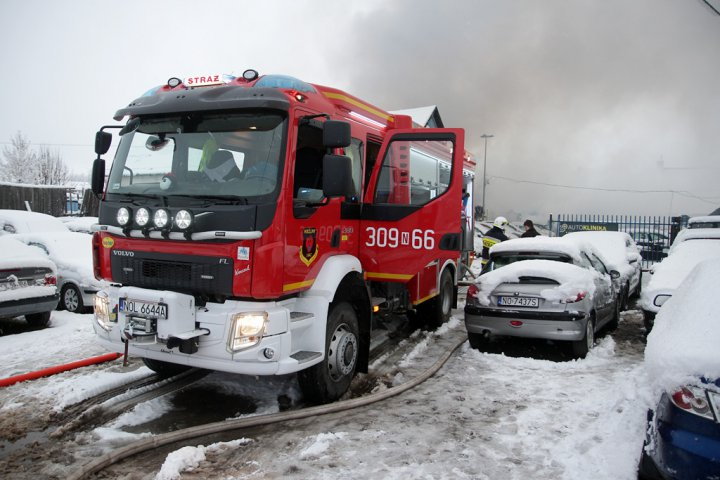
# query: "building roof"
(423, 116)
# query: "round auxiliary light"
(123, 216)
(183, 219)
(161, 218)
(250, 74)
(174, 82)
(142, 216)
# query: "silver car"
(545, 288)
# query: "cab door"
(411, 217)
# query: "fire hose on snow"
(4, 382)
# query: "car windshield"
(221, 154)
(506, 259)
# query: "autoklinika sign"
(569, 227)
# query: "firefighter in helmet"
(495, 235)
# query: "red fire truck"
(257, 224)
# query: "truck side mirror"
(102, 142)
(98, 176)
(337, 176)
(336, 134)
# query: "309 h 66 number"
(392, 237)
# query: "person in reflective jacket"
(495, 235)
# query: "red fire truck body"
(254, 224)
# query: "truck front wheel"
(328, 380)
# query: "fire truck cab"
(256, 224)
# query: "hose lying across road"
(5, 382)
(228, 425)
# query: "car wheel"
(328, 380)
(437, 310)
(478, 341)
(165, 369)
(580, 348)
(38, 319)
(71, 299)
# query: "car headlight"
(123, 216)
(246, 330)
(103, 316)
(142, 216)
(183, 219)
(661, 299)
(161, 217)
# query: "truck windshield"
(225, 154)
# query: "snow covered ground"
(484, 415)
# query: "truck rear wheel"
(164, 369)
(328, 380)
(436, 311)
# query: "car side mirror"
(102, 142)
(98, 176)
(337, 176)
(614, 274)
(336, 134)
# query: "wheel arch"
(353, 289)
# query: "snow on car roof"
(671, 272)
(571, 278)
(684, 340)
(31, 222)
(17, 255)
(71, 252)
(611, 244)
(540, 244)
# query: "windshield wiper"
(227, 199)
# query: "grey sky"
(617, 94)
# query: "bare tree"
(23, 164)
(18, 160)
(49, 168)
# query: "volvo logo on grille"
(123, 253)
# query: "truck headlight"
(103, 316)
(246, 330)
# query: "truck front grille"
(185, 273)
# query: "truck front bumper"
(212, 325)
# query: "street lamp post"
(485, 136)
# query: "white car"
(671, 272)
(621, 254)
(21, 221)
(27, 283)
(70, 251)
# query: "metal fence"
(653, 234)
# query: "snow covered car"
(79, 224)
(622, 254)
(681, 357)
(72, 253)
(695, 234)
(708, 221)
(27, 283)
(542, 287)
(669, 274)
(21, 221)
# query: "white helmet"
(500, 222)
